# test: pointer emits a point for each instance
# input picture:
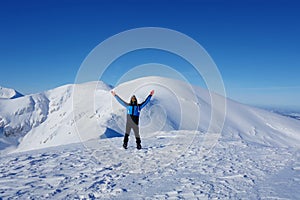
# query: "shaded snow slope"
(8, 93)
(19, 116)
(75, 113)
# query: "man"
(133, 114)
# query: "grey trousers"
(132, 123)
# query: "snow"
(8, 93)
(231, 170)
(66, 144)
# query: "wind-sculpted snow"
(75, 134)
(231, 170)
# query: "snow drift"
(81, 112)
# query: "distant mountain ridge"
(294, 115)
(8, 93)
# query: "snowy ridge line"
(7, 93)
(77, 113)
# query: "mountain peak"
(8, 93)
(82, 112)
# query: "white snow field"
(66, 144)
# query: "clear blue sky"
(256, 45)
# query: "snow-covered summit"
(81, 112)
(44, 119)
(249, 158)
(178, 104)
(8, 93)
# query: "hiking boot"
(138, 143)
(125, 141)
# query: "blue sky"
(255, 44)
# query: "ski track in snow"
(174, 165)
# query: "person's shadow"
(110, 133)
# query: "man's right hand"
(113, 93)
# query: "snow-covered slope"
(256, 156)
(163, 169)
(7, 93)
(48, 119)
(75, 113)
(178, 105)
